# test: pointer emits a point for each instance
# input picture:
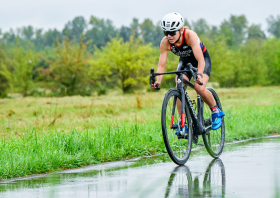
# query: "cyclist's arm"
(193, 41)
(164, 46)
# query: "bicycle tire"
(214, 139)
(179, 149)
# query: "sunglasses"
(171, 33)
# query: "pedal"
(195, 139)
(181, 137)
(175, 126)
(207, 122)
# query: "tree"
(255, 32)
(239, 67)
(227, 34)
(20, 73)
(75, 28)
(151, 33)
(69, 69)
(9, 37)
(224, 61)
(124, 33)
(234, 30)
(252, 70)
(271, 56)
(100, 32)
(135, 29)
(38, 41)
(147, 30)
(239, 27)
(27, 32)
(187, 24)
(4, 84)
(123, 64)
(158, 35)
(51, 36)
(214, 32)
(274, 26)
(201, 27)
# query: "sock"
(214, 109)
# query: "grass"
(48, 134)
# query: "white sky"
(56, 13)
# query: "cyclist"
(186, 44)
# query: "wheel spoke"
(177, 146)
(214, 141)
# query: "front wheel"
(178, 144)
(213, 139)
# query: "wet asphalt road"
(245, 169)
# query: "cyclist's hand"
(155, 85)
(199, 79)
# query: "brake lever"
(194, 74)
(194, 78)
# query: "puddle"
(246, 169)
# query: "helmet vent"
(172, 22)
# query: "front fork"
(180, 86)
(183, 113)
(183, 109)
(198, 119)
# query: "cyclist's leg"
(201, 89)
(186, 76)
(207, 95)
(208, 98)
(179, 103)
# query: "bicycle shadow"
(210, 184)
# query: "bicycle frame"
(197, 119)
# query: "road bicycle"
(182, 127)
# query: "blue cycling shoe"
(217, 119)
(178, 132)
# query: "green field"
(48, 134)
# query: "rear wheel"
(178, 145)
(213, 139)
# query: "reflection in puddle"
(182, 183)
(141, 178)
(247, 174)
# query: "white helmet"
(172, 22)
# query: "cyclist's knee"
(176, 80)
(200, 90)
